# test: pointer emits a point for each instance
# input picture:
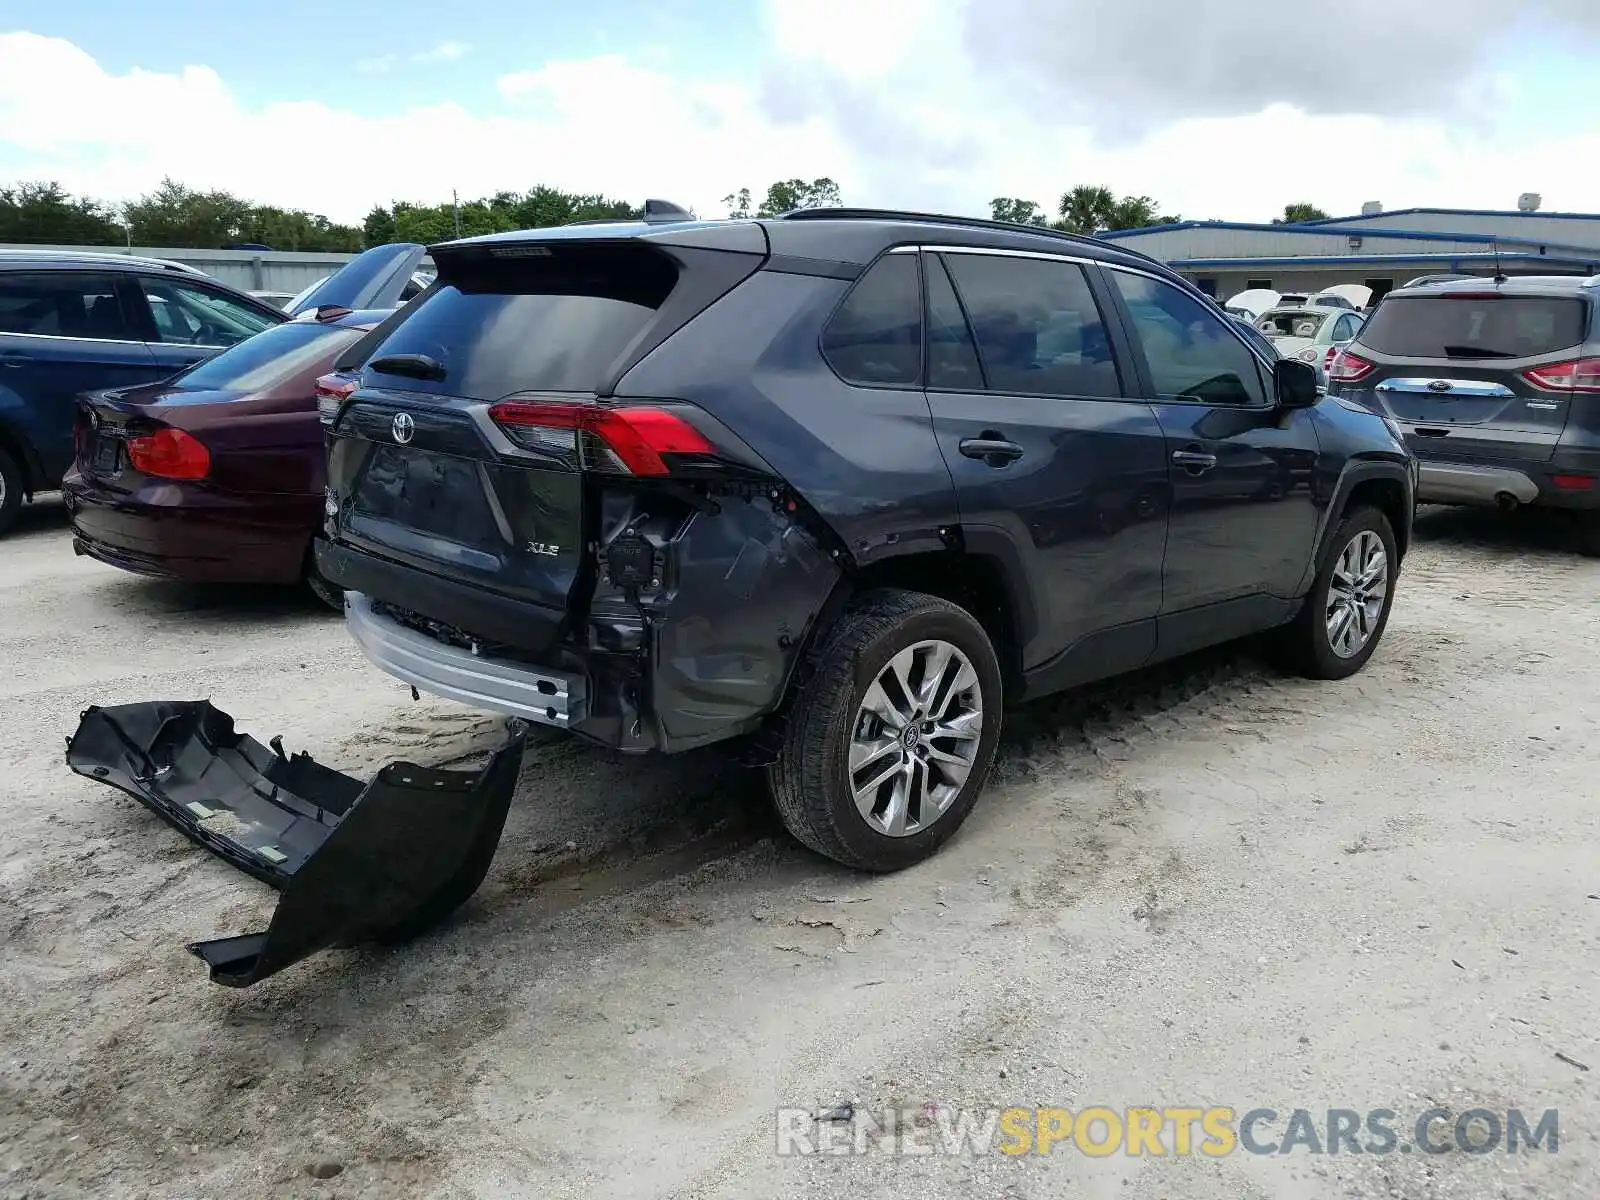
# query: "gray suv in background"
(1496, 386)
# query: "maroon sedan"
(218, 475)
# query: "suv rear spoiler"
(354, 862)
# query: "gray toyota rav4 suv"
(1496, 385)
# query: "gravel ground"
(1204, 885)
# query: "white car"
(1311, 334)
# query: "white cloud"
(442, 53)
(376, 66)
(907, 111)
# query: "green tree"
(786, 195)
(378, 228)
(1017, 212)
(175, 215)
(1300, 211)
(1092, 209)
(539, 208)
(789, 194)
(44, 213)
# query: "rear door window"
(875, 337)
(1476, 326)
(534, 323)
(71, 304)
(1037, 326)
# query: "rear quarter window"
(1494, 326)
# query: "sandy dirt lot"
(1205, 885)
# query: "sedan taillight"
(169, 454)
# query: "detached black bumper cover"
(354, 862)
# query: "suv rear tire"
(906, 686)
(1342, 604)
(1589, 534)
(11, 483)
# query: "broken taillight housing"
(628, 440)
(332, 391)
(1575, 375)
(1349, 368)
(169, 454)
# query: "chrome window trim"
(68, 337)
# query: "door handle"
(994, 450)
(1196, 462)
(14, 358)
(991, 448)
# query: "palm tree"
(1086, 209)
(1132, 212)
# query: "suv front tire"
(1345, 613)
(892, 733)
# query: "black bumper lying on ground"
(353, 862)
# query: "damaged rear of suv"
(521, 531)
(670, 483)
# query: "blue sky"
(306, 48)
(1215, 110)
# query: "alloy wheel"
(915, 738)
(1357, 593)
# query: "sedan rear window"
(271, 358)
(1291, 323)
(553, 321)
(1477, 326)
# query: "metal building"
(1379, 250)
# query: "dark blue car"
(72, 323)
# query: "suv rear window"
(554, 321)
(1475, 326)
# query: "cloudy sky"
(1216, 108)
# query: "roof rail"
(892, 214)
(107, 256)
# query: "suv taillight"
(1575, 375)
(1346, 367)
(169, 454)
(332, 391)
(627, 440)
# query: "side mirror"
(1295, 383)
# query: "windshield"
(1475, 326)
(272, 358)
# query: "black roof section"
(831, 241)
(822, 233)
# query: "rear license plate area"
(105, 455)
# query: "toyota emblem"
(1439, 385)
(404, 428)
